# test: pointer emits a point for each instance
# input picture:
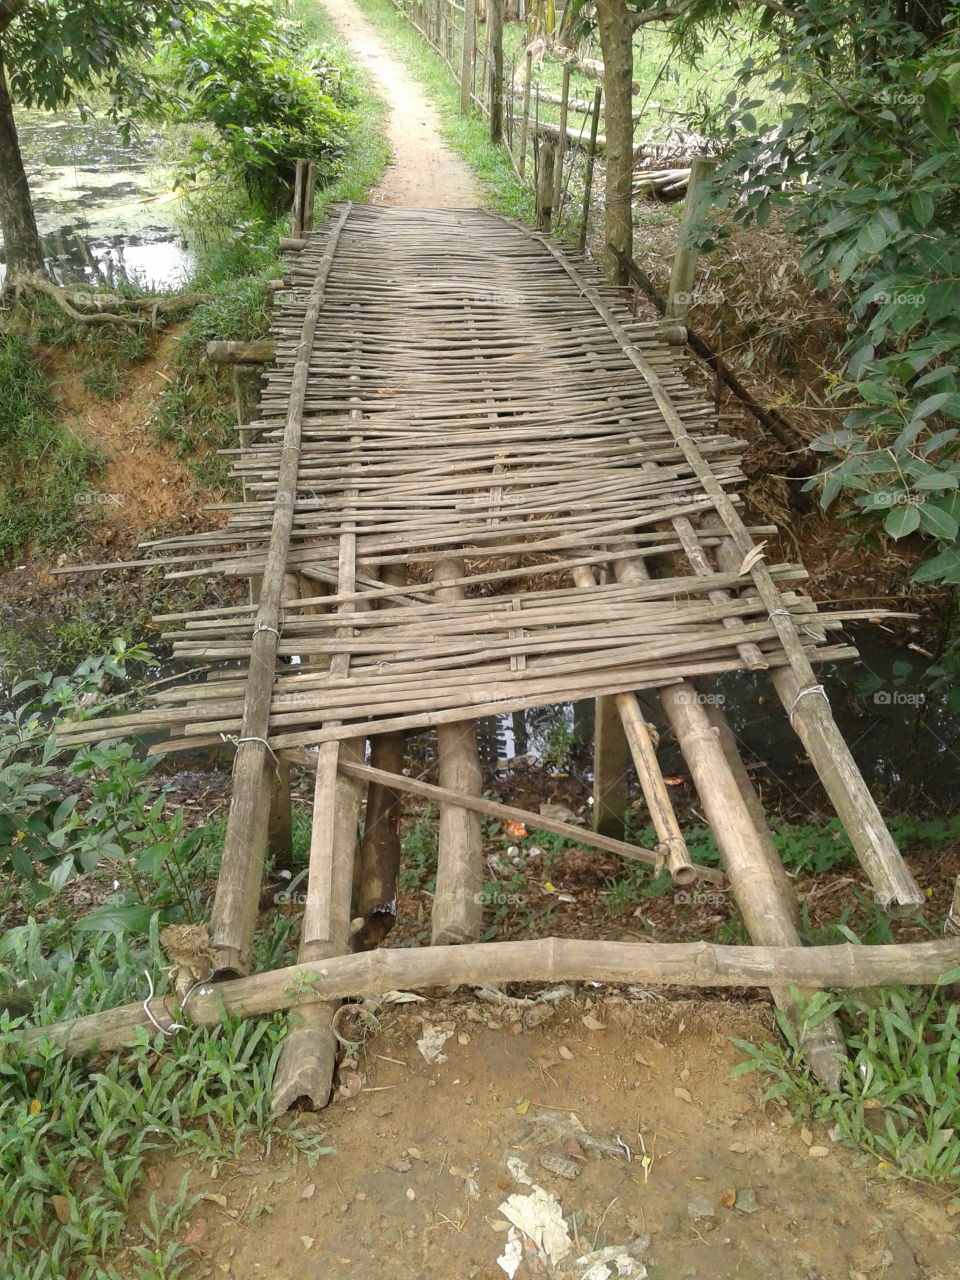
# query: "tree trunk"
(22, 247)
(495, 37)
(616, 41)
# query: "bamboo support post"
(694, 965)
(812, 720)
(495, 37)
(260, 352)
(297, 223)
(610, 757)
(683, 272)
(591, 161)
(545, 177)
(639, 736)
(457, 910)
(309, 196)
(379, 864)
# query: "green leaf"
(936, 521)
(120, 920)
(876, 393)
(900, 521)
(921, 206)
(944, 567)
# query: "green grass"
(46, 470)
(86, 1136)
(900, 1092)
(466, 134)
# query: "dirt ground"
(423, 171)
(717, 1184)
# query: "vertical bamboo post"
(525, 114)
(469, 56)
(683, 272)
(379, 864)
(591, 161)
(609, 770)
(561, 144)
(299, 186)
(457, 910)
(544, 194)
(495, 35)
(309, 196)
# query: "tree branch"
(9, 9)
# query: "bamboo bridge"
(476, 483)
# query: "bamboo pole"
(457, 910)
(469, 55)
(309, 196)
(690, 964)
(379, 864)
(506, 813)
(297, 226)
(591, 161)
(684, 268)
(260, 352)
(561, 144)
(234, 914)
(525, 114)
(495, 36)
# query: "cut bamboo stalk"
(811, 719)
(689, 964)
(234, 915)
(506, 813)
(525, 114)
(683, 272)
(457, 908)
(591, 161)
(561, 159)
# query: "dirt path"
(423, 173)
(719, 1185)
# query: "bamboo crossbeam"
(689, 965)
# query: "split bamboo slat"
(511, 496)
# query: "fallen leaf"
(683, 1095)
(729, 1200)
(522, 1107)
(751, 558)
(413, 1153)
(592, 1023)
(350, 1084)
(308, 1191)
(516, 830)
(817, 1153)
(564, 1052)
(34, 1107)
(307, 1241)
(61, 1207)
(195, 1233)
(806, 1137)
(214, 1198)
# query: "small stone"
(683, 1095)
(411, 1194)
(701, 1207)
(565, 1053)
(592, 1023)
(806, 1137)
(817, 1153)
(399, 1165)
(747, 1200)
(739, 1148)
(307, 1241)
(463, 1038)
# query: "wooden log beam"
(689, 964)
(261, 352)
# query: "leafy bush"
(90, 809)
(246, 71)
(866, 161)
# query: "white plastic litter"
(606, 1264)
(540, 1217)
(509, 1261)
(431, 1044)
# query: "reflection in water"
(102, 207)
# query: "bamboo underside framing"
(458, 422)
